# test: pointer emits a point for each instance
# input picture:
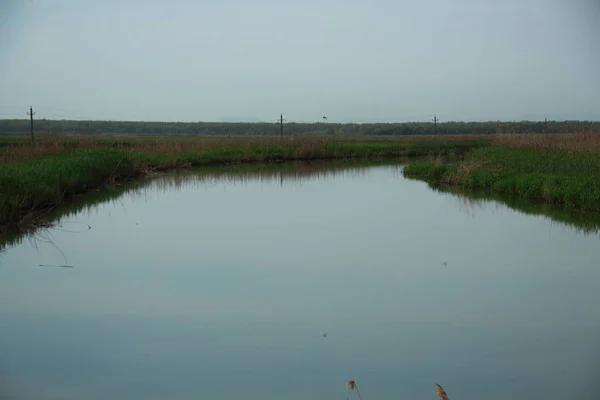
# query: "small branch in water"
(87, 228)
(60, 266)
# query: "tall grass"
(558, 169)
(292, 147)
(36, 177)
(27, 187)
(586, 141)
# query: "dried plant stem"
(358, 393)
(441, 392)
(352, 386)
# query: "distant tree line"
(42, 126)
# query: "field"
(35, 177)
(556, 169)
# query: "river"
(284, 282)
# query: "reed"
(556, 169)
(584, 141)
(352, 386)
(37, 177)
(441, 392)
(305, 147)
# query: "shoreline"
(551, 175)
(32, 187)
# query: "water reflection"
(474, 202)
(291, 173)
(471, 202)
(285, 174)
(223, 286)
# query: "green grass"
(46, 181)
(555, 177)
(43, 176)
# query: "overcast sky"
(350, 60)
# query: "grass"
(36, 177)
(20, 148)
(33, 185)
(562, 170)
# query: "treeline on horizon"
(48, 126)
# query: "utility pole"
(435, 121)
(281, 127)
(31, 114)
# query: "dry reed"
(585, 141)
(463, 169)
(303, 146)
(441, 392)
(352, 386)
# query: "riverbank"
(563, 171)
(35, 178)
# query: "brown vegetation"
(441, 392)
(584, 141)
(50, 145)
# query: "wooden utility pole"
(435, 121)
(281, 127)
(31, 114)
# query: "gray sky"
(363, 61)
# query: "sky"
(349, 60)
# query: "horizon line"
(302, 122)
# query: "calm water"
(220, 285)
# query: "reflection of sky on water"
(220, 289)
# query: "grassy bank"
(36, 177)
(555, 170)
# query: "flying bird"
(324, 334)
(325, 118)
